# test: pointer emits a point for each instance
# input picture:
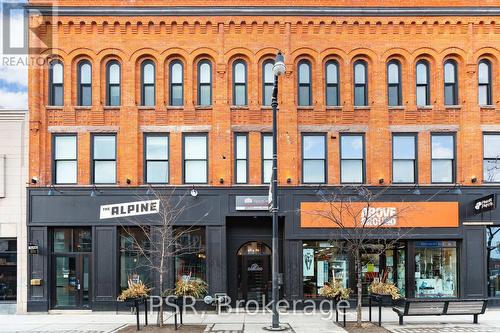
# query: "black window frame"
(427, 84)
(415, 160)
(146, 160)
(263, 160)
(110, 85)
(143, 85)
(267, 84)
(307, 84)
(184, 160)
(236, 159)
(200, 84)
(335, 86)
(92, 160)
(489, 158)
(54, 160)
(363, 160)
(358, 85)
(489, 92)
(13, 268)
(172, 84)
(398, 85)
(53, 85)
(237, 84)
(324, 159)
(454, 160)
(454, 85)
(81, 85)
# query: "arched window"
(239, 83)
(332, 83)
(148, 86)
(56, 83)
(423, 83)
(360, 83)
(484, 82)
(394, 94)
(267, 82)
(304, 82)
(113, 82)
(450, 83)
(84, 83)
(176, 83)
(204, 83)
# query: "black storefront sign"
(484, 204)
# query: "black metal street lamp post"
(278, 70)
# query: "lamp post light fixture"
(278, 70)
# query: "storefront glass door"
(71, 281)
(254, 266)
(71, 278)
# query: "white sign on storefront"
(130, 209)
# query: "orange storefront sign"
(379, 214)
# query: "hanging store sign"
(379, 214)
(252, 202)
(484, 204)
(130, 209)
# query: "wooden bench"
(440, 307)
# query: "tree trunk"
(360, 288)
(160, 313)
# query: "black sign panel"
(484, 204)
(252, 202)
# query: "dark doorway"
(71, 264)
(254, 272)
(245, 236)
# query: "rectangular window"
(313, 158)
(104, 159)
(324, 261)
(190, 258)
(493, 256)
(267, 158)
(72, 240)
(241, 160)
(65, 161)
(156, 154)
(8, 267)
(443, 158)
(491, 158)
(352, 158)
(195, 159)
(436, 273)
(404, 157)
(133, 265)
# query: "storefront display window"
(493, 251)
(190, 259)
(323, 261)
(8, 261)
(133, 266)
(436, 273)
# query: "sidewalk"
(107, 322)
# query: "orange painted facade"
(224, 39)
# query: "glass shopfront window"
(133, 265)
(323, 261)
(436, 273)
(493, 251)
(72, 240)
(190, 259)
(8, 264)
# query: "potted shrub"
(335, 291)
(190, 287)
(135, 291)
(384, 291)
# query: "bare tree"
(492, 169)
(353, 211)
(163, 242)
